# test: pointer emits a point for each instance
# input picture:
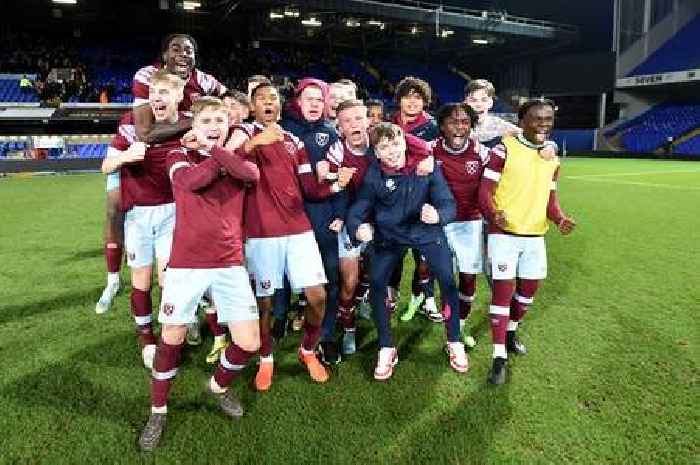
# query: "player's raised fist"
(364, 232)
(344, 175)
(429, 214)
(270, 135)
(323, 167)
(190, 140)
(567, 225)
(336, 225)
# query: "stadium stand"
(679, 53)
(650, 130)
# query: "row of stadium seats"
(677, 54)
(85, 150)
(10, 92)
(650, 130)
(6, 147)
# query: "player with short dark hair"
(375, 112)
(280, 239)
(462, 160)
(409, 211)
(413, 96)
(518, 197)
(178, 56)
(207, 255)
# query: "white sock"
(113, 278)
(415, 297)
(499, 350)
(267, 359)
(163, 409)
(306, 352)
(462, 324)
(219, 339)
(215, 388)
(512, 325)
(349, 330)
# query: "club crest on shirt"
(502, 267)
(322, 138)
(265, 284)
(290, 146)
(168, 309)
(391, 185)
(194, 96)
(132, 256)
(472, 167)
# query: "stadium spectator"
(25, 85)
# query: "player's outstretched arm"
(115, 159)
(150, 132)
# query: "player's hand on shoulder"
(429, 214)
(426, 166)
(135, 153)
(548, 152)
(512, 132)
(567, 225)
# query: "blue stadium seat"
(679, 53)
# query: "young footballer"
(280, 240)
(409, 211)
(207, 255)
(518, 197)
(147, 199)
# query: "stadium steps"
(686, 137)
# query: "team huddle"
(242, 201)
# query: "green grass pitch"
(611, 376)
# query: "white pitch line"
(632, 183)
(641, 173)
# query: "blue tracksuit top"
(317, 137)
(395, 201)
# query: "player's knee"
(315, 295)
(249, 344)
(173, 334)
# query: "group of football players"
(242, 201)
